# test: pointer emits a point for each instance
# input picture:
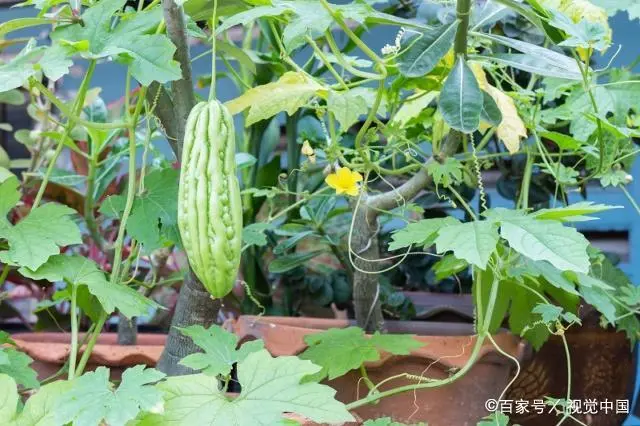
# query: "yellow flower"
(344, 181)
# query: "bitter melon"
(209, 204)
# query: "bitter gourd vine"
(209, 204)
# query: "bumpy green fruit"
(209, 204)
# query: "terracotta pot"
(448, 346)
(51, 350)
(602, 368)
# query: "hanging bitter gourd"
(209, 204)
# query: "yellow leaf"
(413, 106)
(512, 128)
(579, 10)
(292, 91)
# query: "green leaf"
(248, 16)
(150, 56)
(600, 300)
(563, 247)
(291, 261)
(78, 270)
(270, 387)
(495, 419)
(632, 7)
(448, 266)
(461, 98)
(340, 350)
(16, 365)
(472, 241)
(447, 173)
(254, 234)
(536, 59)
(8, 399)
(426, 50)
(154, 216)
(38, 236)
(583, 34)
(290, 243)
(549, 313)
(309, 18)
(12, 97)
(573, 213)
(219, 348)
(9, 196)
(39, 408)
(244, 160)
(553, 313)
(20, 23)
(413, 106)
(347, 107)
(490, 111)
(421, 233)
(17, 71)
(563, 141)
(292, 91)
(92, 399)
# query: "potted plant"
(528, 252)
(438, 102)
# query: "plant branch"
(181, 90)
(165, 111)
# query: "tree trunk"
(366, 286)
(195, 307)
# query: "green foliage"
(270, 387)
(421, 233)
(426, 50)
(563, 247)
(461, 99)
(149, 56)
(32, 59)
(219, 348)
(339, 351)
(472, 241)
(92, 399)
(291, 92)
(154, 217)
(446, 173)
(347, 107)
(38, 236)
(15, 364)
(80, 271)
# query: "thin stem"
(89, 200)
(75, 117)
(91, 343)
(523, 201)
(365, 377)
(4, 274)
(486, 139)
(356, 40)
(131, 190)
(366, 76)
(214, 18)
(74, 332)
(77, 108)
(630, 198)
(484, 331)
(293, 156)
(466, 206)
(320, 54)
